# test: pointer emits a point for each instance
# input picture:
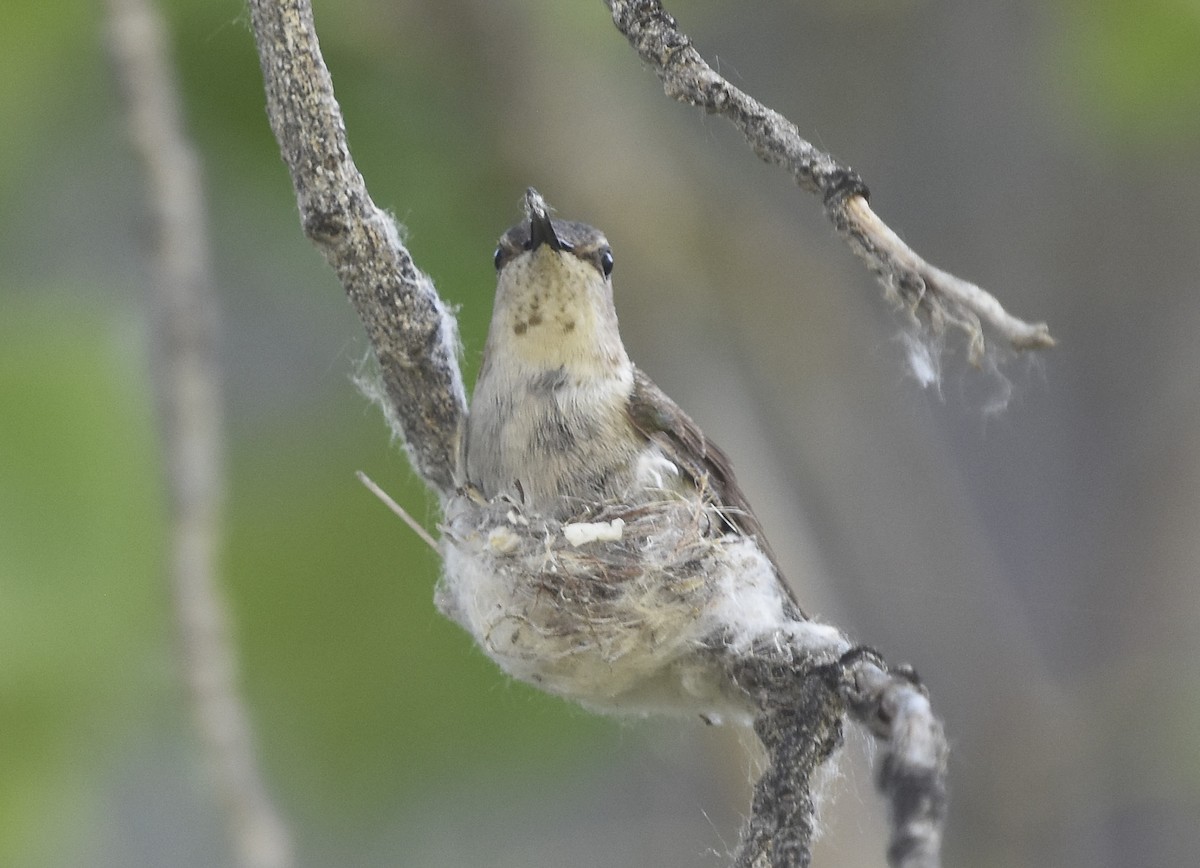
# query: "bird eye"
(606, 262)
(498, 257)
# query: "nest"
(619, 607)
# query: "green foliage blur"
(81, 606)
(1137, 65)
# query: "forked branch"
(802, 707)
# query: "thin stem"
(188, 396)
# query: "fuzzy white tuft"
(583, 532)
(501, 539)
(655, 470)
(924, 360)
(750, 606)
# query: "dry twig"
(188, 396)
(937, 297)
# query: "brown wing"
(661, 420)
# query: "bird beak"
(541, 231)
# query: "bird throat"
(549, 422)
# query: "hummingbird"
(562, 424)
(560, 416)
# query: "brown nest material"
(625, 608)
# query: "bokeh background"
(1028, 538)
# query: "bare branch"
(800, 726)
(413, 335)
(188, 396)
(912, 769)
(802, 703)
(935, 296)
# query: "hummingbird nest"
(622, 607)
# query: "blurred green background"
(1039, 564)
